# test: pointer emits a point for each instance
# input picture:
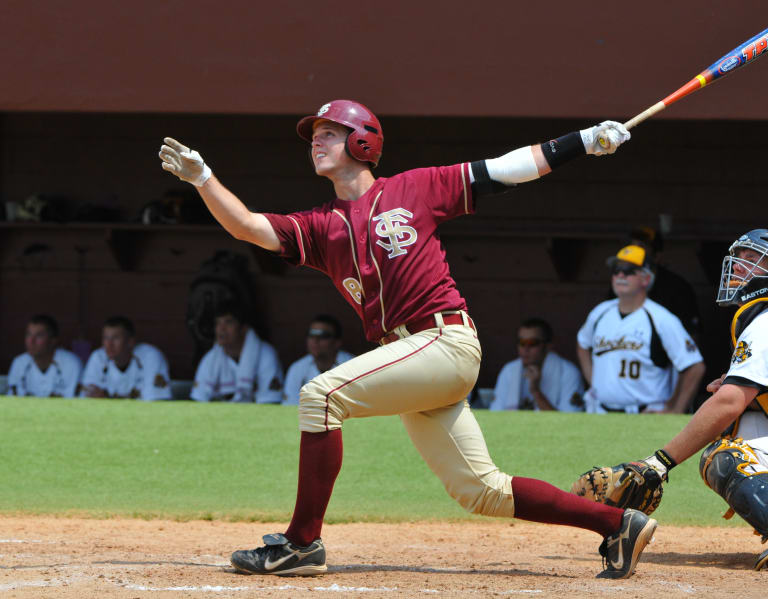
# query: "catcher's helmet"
(753, 283)
(364, 142)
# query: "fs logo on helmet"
(323, 109)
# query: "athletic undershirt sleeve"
(494, 174)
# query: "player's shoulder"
(343, 356)
(65, 357)
(21, 360)
(602, 308)
(657, 311)
(147, 351)
(300, 364)
(509, 366)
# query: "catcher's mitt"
(630, 485)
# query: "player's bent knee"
(490, 495)
(317, 412)
(723, 466)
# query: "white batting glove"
(604, 138)
(186, 164)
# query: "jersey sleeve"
(157, 379)
(678, 344)
(298, 234)
(501, 390)
(293, 380)
(72, 368)
(92, 374)
(446, 189)
(586, 334)
(749, 361)
(14, 376)
(202, 388)
(570, 391)
(269, 376)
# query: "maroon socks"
(319, 464)
(539, 501)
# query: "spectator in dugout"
(44, 370)
(123, 368)
(539, 379)
(240, 367)
(669, 289)
(324, 352)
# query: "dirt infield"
(81, 558)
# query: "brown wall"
(496, 58)
(538, 249)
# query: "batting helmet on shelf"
(364, 142)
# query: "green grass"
(186, 460)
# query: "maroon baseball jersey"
(382, 251)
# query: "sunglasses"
(626, 270)
(530, 342)
(320, 334)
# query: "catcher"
(735, 464)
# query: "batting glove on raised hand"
(186, 164)
(604, 138)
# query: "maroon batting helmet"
(364, 142)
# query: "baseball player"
(630, 348)
(121, 367)
(735, 465)
(240, 367)
(324, 347)
(44, 370)
(378, 242)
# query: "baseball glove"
(630, 485)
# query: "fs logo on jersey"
(742, 353)
(391, 225)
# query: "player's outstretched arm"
(711, 419)
(225, 206)
(531, 162)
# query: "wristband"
(563, 149)
(665, 459)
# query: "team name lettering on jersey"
(603, 345)
(390, 225)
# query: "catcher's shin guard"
(724, 467)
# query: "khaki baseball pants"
(424, 378)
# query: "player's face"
(230, 333)
(321, 341)
(118, 344)
(531, 346)
(38, 341)
(743, 271)
(628, 280)
(328, 148)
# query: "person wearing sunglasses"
(539, 379)
(634, 353)
(323, 353)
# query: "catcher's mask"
(752, 283)
(365, 140)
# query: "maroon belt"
(427, 323)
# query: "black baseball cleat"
(280, 556)
(761, 563)
(622, 549)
